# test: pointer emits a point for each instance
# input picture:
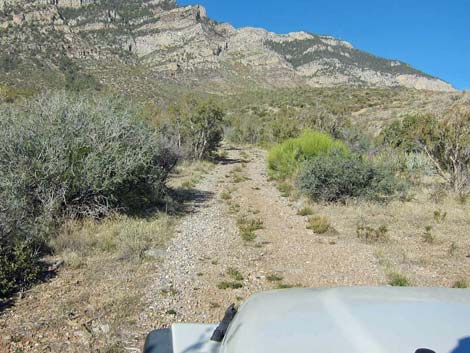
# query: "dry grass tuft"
(234, 274)
(285, 189)
(229, 285)
(319, 224)
(428, 236)
(306, 211)
(97, 298)
(248, 227)
(225, 195)
(460, 284)
(123, 237)
(370, 234)
(274, 278)
(189, 174)
(396, 279)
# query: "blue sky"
(433, 36)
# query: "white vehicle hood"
(352, 320)
(342, 320)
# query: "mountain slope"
(159, 40)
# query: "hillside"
(139, 45)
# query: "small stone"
(155, 253)
(105, 328)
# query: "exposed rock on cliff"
(183, 43)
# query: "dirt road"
(208, 253)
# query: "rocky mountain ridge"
(168, 41)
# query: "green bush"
(396, 279)
(445, 142)
(195, 126)
(336, 178)
(285, 159)
(19, 266)
(62, 156)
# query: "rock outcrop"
(175, 41)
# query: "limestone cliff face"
(179, 41)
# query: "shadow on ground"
(186, 200)
(48, 272)
(227, 161)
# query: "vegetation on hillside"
(269, 117)
(75, 79)
(299, 52)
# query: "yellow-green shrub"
(284, 159)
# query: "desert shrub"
(9, 61)
(336, 178)
(229, 285)
(10, 94)
(355, 136)
(62, 156)
(234, 274)
(242, 129)
(410, 164)
(446, 142)
(225, 195)
(195, 125)
(460, 284)
(419, 163)
(428, 236)
(397, 134)
(440, 216)
(285, 159)
(274, 278)
(19, 265)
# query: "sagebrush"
(67, 157)
(336, 178)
